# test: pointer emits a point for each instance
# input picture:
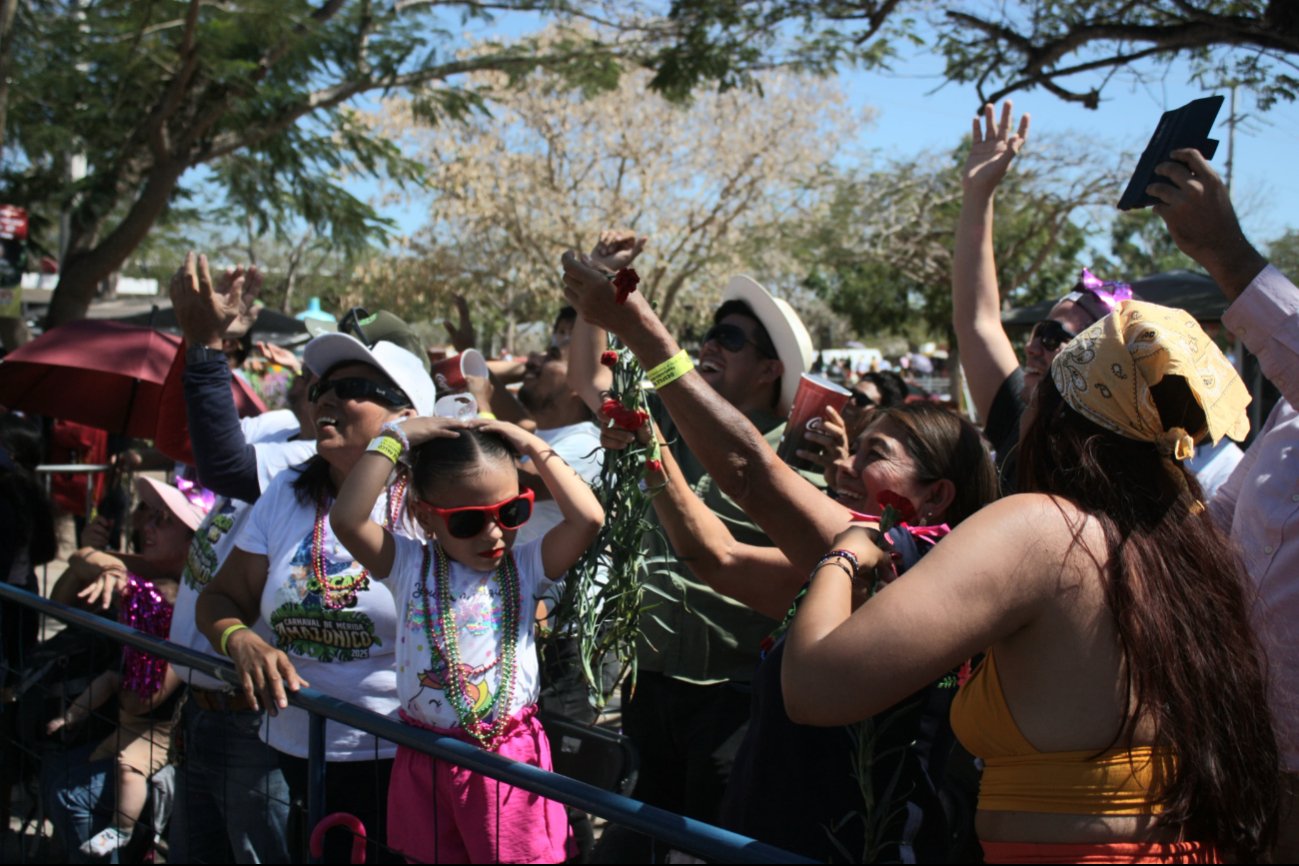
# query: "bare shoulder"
(1032, 538)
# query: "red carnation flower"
(624, 282)
(609, 358)
(654, 465)
(627, 419)
(904, 507)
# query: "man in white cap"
(698, 648)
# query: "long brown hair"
(1179, 597)
(945, 445)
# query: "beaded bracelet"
(671, 369)
(835, 560)
(225, 637)
(387, 446)
(846, 554)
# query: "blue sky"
(915, 112)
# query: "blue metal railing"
(687, 834)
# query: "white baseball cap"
(327, 351)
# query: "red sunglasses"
(467, 521)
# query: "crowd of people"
(1046, 634)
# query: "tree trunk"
(82, 271)
(7, 10)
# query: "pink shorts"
(441, 813)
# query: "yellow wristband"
(225, 637)
(488, 415)
(387, 446)
(671, 369)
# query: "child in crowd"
(146, 688)
(466, 661)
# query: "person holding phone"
(1259, 503)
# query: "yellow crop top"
(1019, 778)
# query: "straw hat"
(788, 334)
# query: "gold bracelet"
(225, 637)
(671, 369)
(388, 446)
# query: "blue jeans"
(80, 795)
(231, 797)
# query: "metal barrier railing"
(680, 832)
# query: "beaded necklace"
(458, 676)
(339, 591)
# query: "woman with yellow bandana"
(1121, 710)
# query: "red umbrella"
(99, 373)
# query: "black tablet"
(1187, 126)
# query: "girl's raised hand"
(422, 428)
(520, 440)
(992, 148)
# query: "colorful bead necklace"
(340, 591)
(457, 677)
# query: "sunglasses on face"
(1051, 333)
(732, 338)
(862, 400)
(468, 521)
(357, 389)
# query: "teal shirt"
(689, 631)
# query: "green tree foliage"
(111, 103)
(1071, 48)
(1284, 253)
(1141, 246)
(881, 252)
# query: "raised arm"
(588, 379)
(368, 542)
(503, 404)
(987, 355)
(582, 515)
(797, 516)
(761, 578)
(226, 462)
(985, 581)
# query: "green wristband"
(671, 369)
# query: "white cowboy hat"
(788, 334)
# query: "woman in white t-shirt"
(332, 626)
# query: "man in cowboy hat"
(698, 648)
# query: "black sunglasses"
(861, 400)
(358, 389)
(732, 338)
(1052, 334)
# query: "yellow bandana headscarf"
(1105, 373)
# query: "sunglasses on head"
(351, 324)
(468, 521)
(732, 338)
(357, 389)
(1052, 334)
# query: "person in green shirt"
(698, 648)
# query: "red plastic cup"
(449, 374)
(814, 394)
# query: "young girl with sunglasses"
(466, 662)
